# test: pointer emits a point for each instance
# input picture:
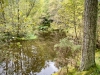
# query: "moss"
(55, 74)
(97, 59)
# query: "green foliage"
(19, 44)
(63, 43)
(70, 16)
(16, 17)
(66, 52)
(22, 18)
(95, 70)
(31, 36)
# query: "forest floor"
(91, 71)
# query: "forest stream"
(25, 58)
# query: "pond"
(26, 58)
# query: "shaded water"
(25, 58)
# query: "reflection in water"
(23, 58)
(48, 70)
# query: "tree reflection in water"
(22, 58)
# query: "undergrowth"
(92, 71)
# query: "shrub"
(66, 53)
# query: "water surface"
(26, 58)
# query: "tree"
(89, 34)
(69, 16)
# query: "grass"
(92, 71)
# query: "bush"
(66, 53)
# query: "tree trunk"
(89, 34)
